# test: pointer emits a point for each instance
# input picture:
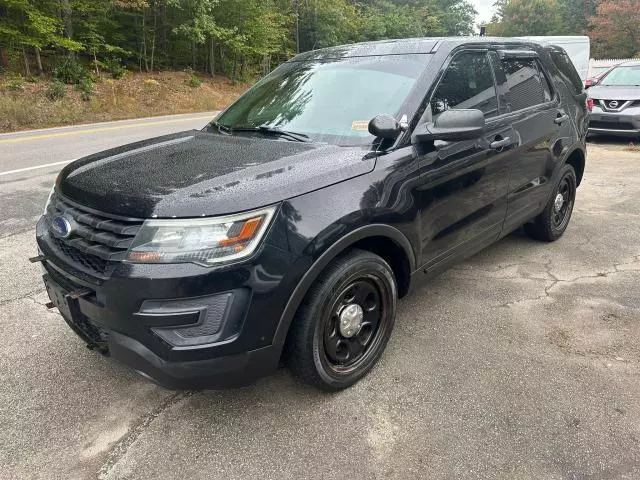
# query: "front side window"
(328, 101)
(622, 76)
(467, 83)
(528, 86)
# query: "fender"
(367, 231)
(583, 159)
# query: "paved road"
(30, 160)
(25, 150)
(523, 362)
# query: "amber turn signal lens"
(146, 257)
(247, 232)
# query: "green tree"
(526, 17)
(386, 19)
(233, 37)
(198, 22)
(26, 23)
(576, 15)
(456, 16)
(323, 23)
(252, 31)
(615, 29)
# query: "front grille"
(610, 125)
(88, 261)
(618, 106)
(64, 281)
(97, 242)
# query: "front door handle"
(561, 119)
(498, 144)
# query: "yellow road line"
(101, 129)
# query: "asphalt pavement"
(30, 160)
(521, 363)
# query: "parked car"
(289, 226)
(616, 102)
(596, 73)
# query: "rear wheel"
(343, 326)
(554, 219)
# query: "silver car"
(616, 102)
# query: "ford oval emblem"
(61, 227)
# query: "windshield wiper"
(296, 136)
(221, 128)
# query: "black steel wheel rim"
(344, 354)
(560, 217)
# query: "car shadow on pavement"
(611, 141)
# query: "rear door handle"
(560, 120)
(505, 142)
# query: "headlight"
(205, 241)
(46, 205)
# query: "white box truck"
(578, 48)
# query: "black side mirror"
(385, 126)
(451, 125)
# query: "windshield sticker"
(360, 125)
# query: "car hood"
(614, 93)
(196, 173)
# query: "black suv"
(289, 226)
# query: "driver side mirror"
(451, 125)
(386, 126)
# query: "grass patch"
(192, 79)
(56, 91)
(45, 103)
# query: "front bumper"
(181, 325)
(226, 371)
(625, 123)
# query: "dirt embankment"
(28, 104)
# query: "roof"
(404, 46)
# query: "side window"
(567, 71)
(528, 86)
(467, 83)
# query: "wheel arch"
(383, 240)
(577, 159)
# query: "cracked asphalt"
(520, 363)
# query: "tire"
(551, 224)
(325, 347)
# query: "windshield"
(328, 101)
(623, 76)
(598, 71)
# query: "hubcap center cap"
(558, 203)
(351, 317)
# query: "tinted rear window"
(528, 86)
(567, 71)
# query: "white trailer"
(578, 48)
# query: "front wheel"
(554, 219)
(344, 323)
